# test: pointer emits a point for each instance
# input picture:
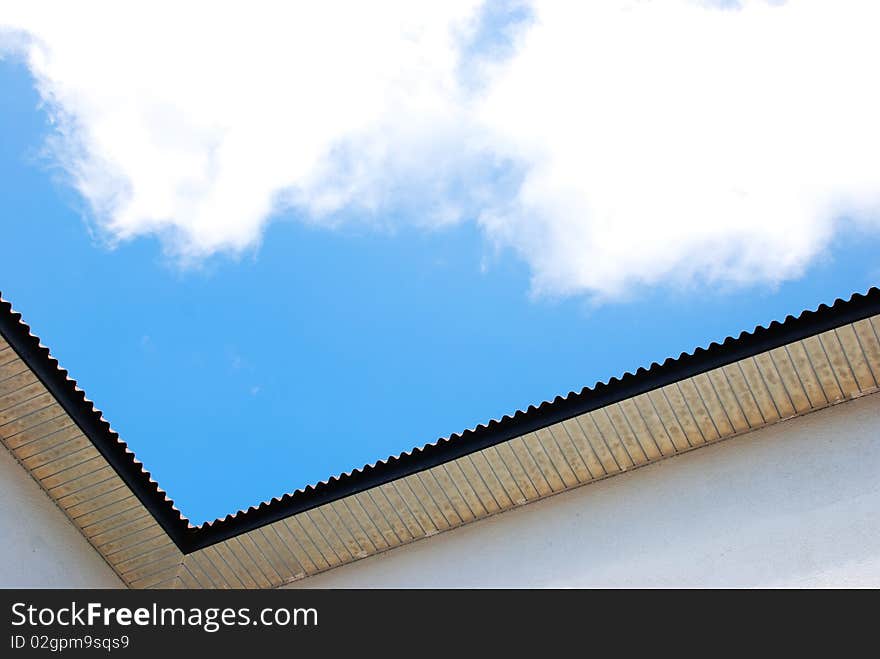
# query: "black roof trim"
(190, 539)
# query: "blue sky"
(237, 375)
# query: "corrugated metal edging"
(787, 381)
(47, 442)
(762, 339)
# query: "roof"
(786, 369)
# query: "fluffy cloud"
(611, 145)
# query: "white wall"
(39, 547)
(796, 504)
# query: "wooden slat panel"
(282, 562)
(187, 579)
(162, 579)
(105, 477)
(16, 382)
(477, 481)
(343, 530)
(226, 565)
(133, 514)
(377, 519)
(797, 393)
(504, 475)
(759, 391)
(842, 370)
(448, 487)
(62, 471)
(650, 417)
(38, 432)
(669, 418)
(855, 357)
(247, 562)
(804, 369)
(10, 365)
(311, 542)
(584, 432)
(621, 428)
(205, 570)
(56, 445)
(697, 410)
(12, 399)
(214, 566)
(635, 423)
(26, 407)
(275, 566)
(608, 437)
(557, 457)
(403, 511)
(390, 515)
(291, 546)
(583, 461)
(364, 545)
(429, 483)
(128, 548)
(96, 504)
(416, 506)
(327, 535)
(14, 431)
(870, 344)
(822, 368)
(148, 564)
(121, 530)
(110, 511)
(712, 403)
(724, 392)
(365, 522)
(258, 554)
(531, 468)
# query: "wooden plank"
(417, 507)
(39, 431)
(504, 487)
(870, 345)
(673, 427)
(23, 411)
(105, 477)
(320, 560)
(362, 517)
(246, 563)
(464, 489)
(608, 435)
(414, 483)
(760, 392)
(436, 494)
(508, 463)
(822, 369)
(839, 363)
(558, 459)
(729, 402)
(855, 358)
(646, 411)
(721, 420)
(54, 446)
(13, 432)
(581, 457)
(290, 548)
(478, 484)
(584, 432)
(18, 396)
(400, 507)
(635, 426)
(331, 542)
(620, 427)
(805, 373)
(16, 382)
(364, 545)
(82, 465)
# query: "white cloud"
(616, 144)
